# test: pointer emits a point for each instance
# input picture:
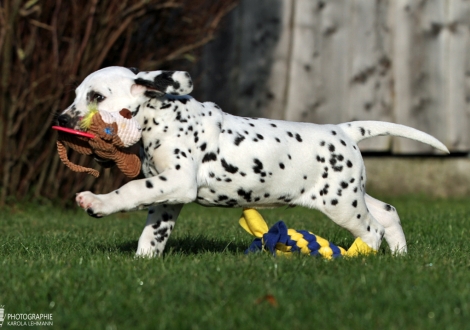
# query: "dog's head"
(115, 88)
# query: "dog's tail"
(360, 130)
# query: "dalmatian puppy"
(194, 152)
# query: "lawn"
(83, 271)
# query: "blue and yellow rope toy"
(279, 240)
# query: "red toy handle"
(73, 131)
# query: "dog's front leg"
(160, 222)
(169, 187)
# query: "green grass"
(83, 271)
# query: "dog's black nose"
(64, 120)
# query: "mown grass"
(83, 271)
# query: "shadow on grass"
(186, 246)
(200, 244)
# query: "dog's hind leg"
(388, 217)
(354, 216)
(161, 220)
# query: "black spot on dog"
(298, 137)
(203, 146)
(324, 191)
(228, 167)
(337, 168)
(148, 184)
(166, 216)
(354, 203)
(259, 136)
(281, 165)
(239, 139)
(246, 195)
(344, 185)
(210, 156)
(161, 177)
(258, 166)
(331, 147)
(334, 201)
(343, 143)
(363, 131)
(388, 207)
(349, 164)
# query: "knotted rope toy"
(107, 136)
(279, 240)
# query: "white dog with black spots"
(194, 152)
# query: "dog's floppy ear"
(168, 82)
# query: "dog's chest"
(177, 131)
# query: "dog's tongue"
(73, 131)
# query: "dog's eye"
(97, 97)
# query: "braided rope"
(74, 167)
(279, 240)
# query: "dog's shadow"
(189, 245)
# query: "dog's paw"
(91, 203)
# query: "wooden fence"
(321, 61)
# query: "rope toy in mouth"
(279, 240)
(107, 136)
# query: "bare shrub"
(47, 47)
